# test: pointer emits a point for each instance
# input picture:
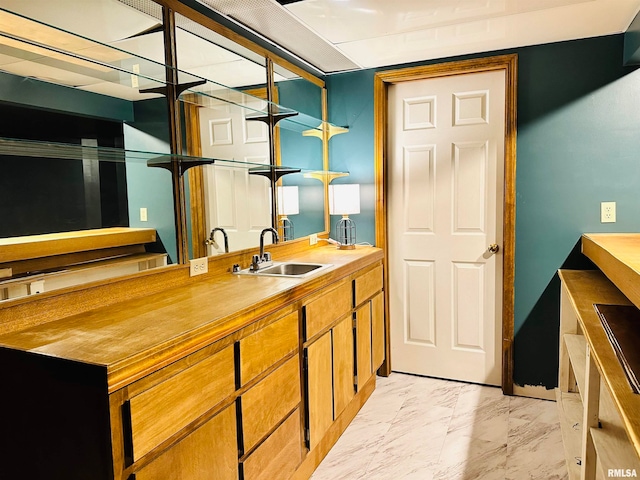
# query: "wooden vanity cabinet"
(345, 355)
(327, 357)
(256, 399)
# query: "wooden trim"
(325, 158)
(196, 182)
(382, 80)
(618, 256)
(380, 141)
(214, 26)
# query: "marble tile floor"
(419, 428)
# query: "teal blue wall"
(305, 153)
(151, 187)
(351, 105)
(578, 144)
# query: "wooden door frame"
(382, 80)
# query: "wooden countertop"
(584, 289)
(173, 323)
(618, 256)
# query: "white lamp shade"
(344, 199)
(288, 200)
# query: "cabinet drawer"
(279, 455)
(192, 459)
(165, 409)
(331, 306)
(265, 347)
(368, 284)
(266, 404)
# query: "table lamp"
(344, 200)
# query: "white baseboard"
(534, 391)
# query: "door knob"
(494, 248)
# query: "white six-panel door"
(234, 200)
(446, 184)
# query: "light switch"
(143, 214)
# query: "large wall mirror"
(83, 114)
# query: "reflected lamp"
(287, 205)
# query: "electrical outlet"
(313, 239)
(198, 266)
(607, 212)
(143, 214)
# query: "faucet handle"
(266, 257)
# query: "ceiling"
(376, 33)
(328, 35)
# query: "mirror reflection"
(83, 79)
(299, 147)
(69, 110)
(230, 196)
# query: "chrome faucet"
(211, 240)
(264, 259)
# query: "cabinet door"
(209, 452)
(377, 330)
(343, 365)
(319, 388)
(364, 368)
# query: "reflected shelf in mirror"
(74, 60)
(213, 94)
(14, 147)
(42, 51)
(325, 175)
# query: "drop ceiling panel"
(376, 33)
(340, 21)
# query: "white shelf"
(570, 413)
(577, 349)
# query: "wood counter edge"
(606, 251)
(626, 402)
